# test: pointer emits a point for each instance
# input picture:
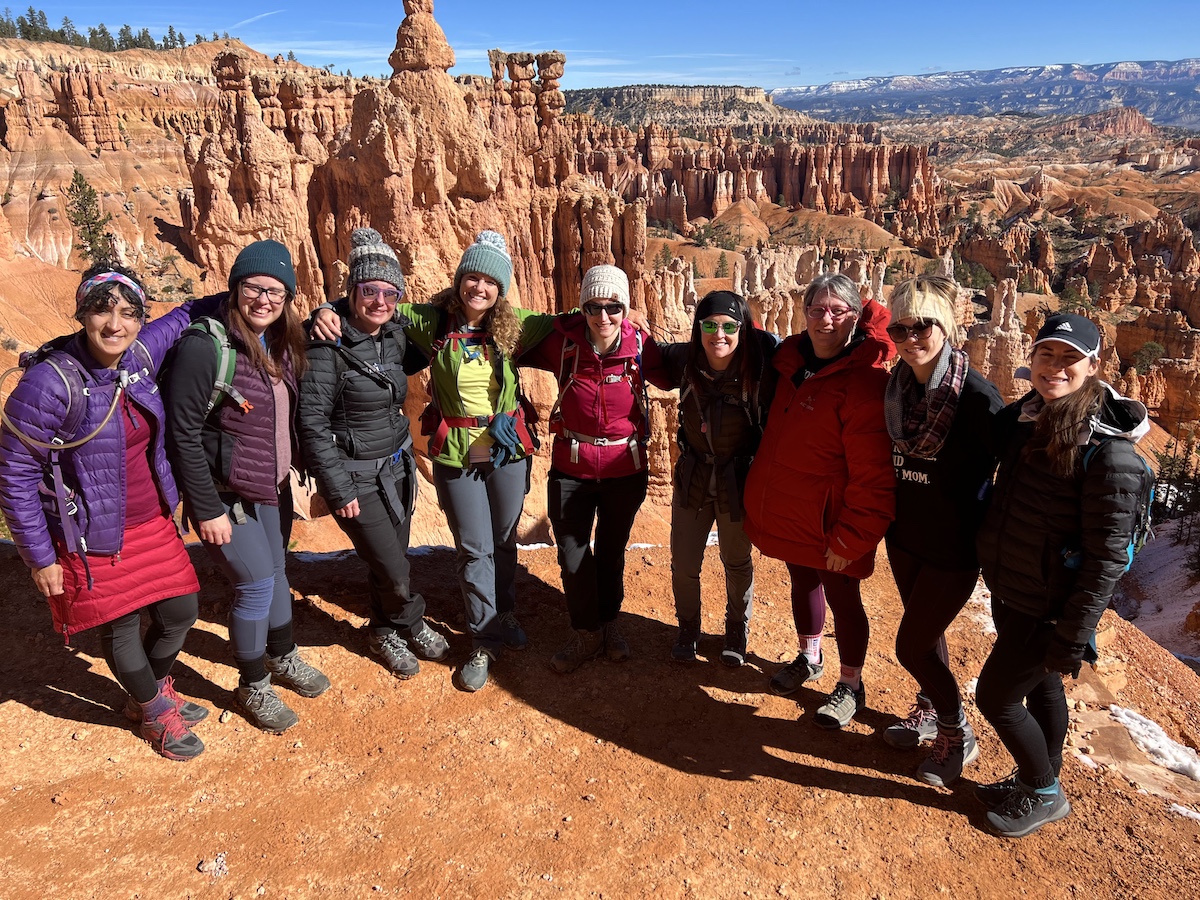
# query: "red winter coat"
(823, 476)
(602, 399)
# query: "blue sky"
(774, 44)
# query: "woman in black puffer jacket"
(356, 442)
(1054, 542)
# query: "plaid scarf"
(919, 415)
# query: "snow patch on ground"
(1159, 579)
(1185, 811)
(979, 608)
(1153, 741)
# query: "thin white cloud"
(274, 12)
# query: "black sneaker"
(952, 749)
(474, 672)
(1025, 810)
(685, 642)
(291, 671)
(918, 727)
(262, 706)
(841, 705)
(794, 674)
(734, 654)
(395, 654)
(992, 795)
(511, 632)
(427, 643)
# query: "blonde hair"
(931, 297)
(500, 321)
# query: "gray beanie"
(604, 283)
(373, 260)
(487, 256)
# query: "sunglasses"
(388, 295)
(919, 329)
(594, 309)
(710, 327)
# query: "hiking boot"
(734, 654)
(1025, 810)
(190, 712)
(841, 705)
(992, 795)
(395, 653)
(953, 748)
(582, 646)
(262, 706)
(474, 672)
(427, 643)
(794, 674)
(919, 726)
(511, 632)
(685, 642)
(615, 645)
(293, 672)
(170, 737)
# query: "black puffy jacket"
(348, 414)
(1037, 518)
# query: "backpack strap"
(226, 365)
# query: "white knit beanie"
(605, 283)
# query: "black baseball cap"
(1078, 331)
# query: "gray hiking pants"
(689, 536)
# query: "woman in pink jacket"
(598, 472)
(821, 490)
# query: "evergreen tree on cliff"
(83, 210)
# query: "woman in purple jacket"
(88, 495)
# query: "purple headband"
(105, 278)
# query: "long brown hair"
(285, 337)
(500, 321)
(1057, 430)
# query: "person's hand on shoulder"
(326, 324)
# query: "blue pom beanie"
(487, 256)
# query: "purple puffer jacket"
(96, 470)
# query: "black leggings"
(140, 663)
(1025, 704)
(811, 588)
(932, 598)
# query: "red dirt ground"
(622, 780)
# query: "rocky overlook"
(685, 108)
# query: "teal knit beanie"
(487, 256)
(264, 258)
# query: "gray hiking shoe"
(474, 672)
(919, 726)
(171, 738)
(953, 748)
(582, 646)
(794, 674)
(190, 712)
(511, 632)
(427, 643)
(262, 706)
(843, 702)
(395, 654)
(293, 672)
(1025, 810)
(685, 642)
(615, 645)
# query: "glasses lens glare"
(710, 327)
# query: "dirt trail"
(622, 780)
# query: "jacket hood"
(874, 348)
(1121, 417)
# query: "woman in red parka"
(598, 472)
(821, 490)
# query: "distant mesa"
(1167, 92)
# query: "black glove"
(1064, 657)
(506, 446)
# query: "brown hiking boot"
(584, 645)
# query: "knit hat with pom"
(605, 283)
(487, 256)
(373, 260)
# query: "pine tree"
(99, 38)
(291, 57)
(125, 38)
(664, 257)
(83, 211)
(722, 266)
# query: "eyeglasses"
(835, 313)
(919, 329)
(594, 309)
(253, 291)
(708, 326)
(388, 295)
